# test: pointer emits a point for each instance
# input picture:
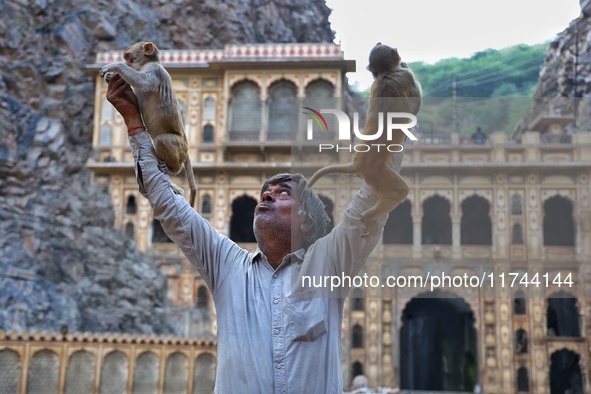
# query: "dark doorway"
(563, 316)
(356, 369)
(242, 219)
(438, 345)
(565, 373)
(399, 229)
(476, 226)
(559, 226)
(436, 224)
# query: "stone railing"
(111, 363)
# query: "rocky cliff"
(566, 73)
(61, 262)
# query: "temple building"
(511, 217)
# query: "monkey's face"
(139, 54)
(133, 57)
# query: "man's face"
(277, 211)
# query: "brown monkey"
(159, 107)
(394, 90)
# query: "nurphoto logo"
(344, 130)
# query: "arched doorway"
(438, 344)
(565, 373)
(242, 219)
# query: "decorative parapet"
(108, 337)
(245, 52)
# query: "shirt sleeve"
(345, 250)
(209, 251)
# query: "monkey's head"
(382, 58)
(141, 53)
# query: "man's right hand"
(123, 99)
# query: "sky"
(429, 30)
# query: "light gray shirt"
(268, 342)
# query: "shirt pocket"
(306, 319)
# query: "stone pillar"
(456, 234)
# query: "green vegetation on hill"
(511, 71)
(493, 90)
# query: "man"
(269, 341)
(479, 137)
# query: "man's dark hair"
(312, 206)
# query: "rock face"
(566, 72)
(61, 261)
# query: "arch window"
(131, 206)
(399, 228)
(242, 219)
(357, 336)
(105, 139)
(245, 111)
(563, 316)
(517, 235)
(320, 95)
(158, 234)
(130, 230)
(521, 341)
(175, 373)
(476, 226)
(43, 373)
(436, 223)
(522, 380)
(519, 304)
(202, 297)
(204, 374)
(208, 134)
(79, 373)
(283, 110)
(114, 373)
(559, 226)
(516, 206)
(209, 108)
(145, 375)
(206, 204)
(357, 300)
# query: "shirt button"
(274, 275)
(278, 366)
(277, 332)
(275, 302)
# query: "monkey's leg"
(164, 169)
(172, 150)
(390, 189)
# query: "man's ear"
(304, 228)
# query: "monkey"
(394, 89)
(159, 107)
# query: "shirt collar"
(298, 255)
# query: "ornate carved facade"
(486, 211)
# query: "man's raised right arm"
(203, 245)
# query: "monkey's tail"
(191, 180)
(335, 169)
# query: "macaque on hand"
(394, 90)
(159, 107)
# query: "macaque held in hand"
(394, 89)
(159, 107)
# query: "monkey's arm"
(145, 80)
